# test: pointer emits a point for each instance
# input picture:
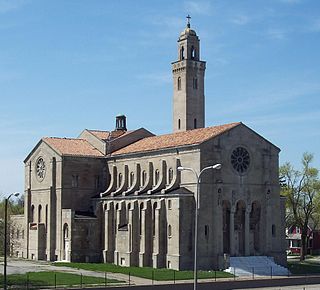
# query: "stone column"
(142, 237)
(116, 252)
(156, 237)
(247, 232)
(109, 230)
(232, 212)
(133, 227)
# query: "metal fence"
(106, 280)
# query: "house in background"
(293, 237)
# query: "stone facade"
(117, 196)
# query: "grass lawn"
(305, 267)
(54, 278)
(146, 272)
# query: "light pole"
(198, 177)
(5, 238)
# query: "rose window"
(240, 159)
(41, 168)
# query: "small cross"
(188, 19)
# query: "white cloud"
(315, 26)
(168, 22)
(240, 19)
(272, 98)
(157, 78)
(9, 5)
(198, 7)
(277, 33)
(287, 119)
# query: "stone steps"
(255, 265)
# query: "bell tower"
(188, 83)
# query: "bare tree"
(302, 189)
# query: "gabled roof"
(70, 146)
(189, 137)
(103, 135)
(108, 135)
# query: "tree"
(13, 208)
(302, 189)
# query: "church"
(118, 197)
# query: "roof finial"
(188, 19)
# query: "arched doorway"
(239, 228)
(66, 243)
(226, 226)
(255, 228)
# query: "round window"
(40, 169)
(240, 159)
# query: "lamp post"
(16, 194)
(198, 177)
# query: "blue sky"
(70, 65)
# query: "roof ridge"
(176, 139)
(197, 129)
(96, 130)
(65, 138)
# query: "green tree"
(14, 207)
(302, 189)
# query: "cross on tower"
(188, 19)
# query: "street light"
(198, 177)
(16, 194)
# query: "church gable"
(243, 154)
(42, 148)
(109, 141)
(243, 134)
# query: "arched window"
(144, 178)
(39, 213)
(46, 217)
(181, 53)
(18, 233)
(179, 124)
(119, 179)
(129, 207)
(32, 213)
(154, 219)
(193, 52)
(65, 231)
(123, 215)
(169, 231)
(195, 123)
(156, 177)
(170, 175)
(140, 218)
(179, 84)
(131, 178)
(116, 217)
(195, 83)
(273, 230)
(206, 230)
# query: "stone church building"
(117, 196)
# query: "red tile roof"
(190, 137)
(69, 146)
